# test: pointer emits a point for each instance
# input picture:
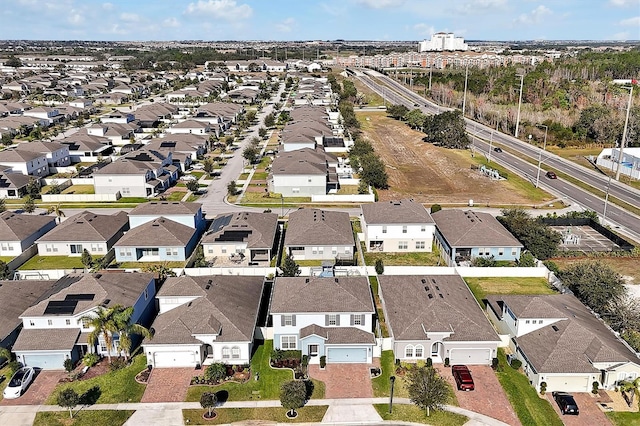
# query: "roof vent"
(336, 280)
(207, 287)
(423, 281)
(306, 280)
(98, 276)
(433, 280)
(106, 302)
(555, 328)
(441, 296)
(430, 296)
(437, 288)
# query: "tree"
(198, 260)
(397, 112)
(33, 188)
(379, 266)
(29, 205)
(526, 260)
(13, 62)
(162, 271)
(87, 259)
(250, 154)
(632, 387)
(374, 171)
(363, 187)
(446, 129)
(262, 132)
(216, 372)
(102, 324)
(415, 119)
(126, 329)
(54, 188)
(68, 398)
(6, 354)
(6, 139)
(427, 389)
(193, 185)
(208, 401)
(623, 315)
(538, 238)
(293, 395)
(58, 212)
(208, 165)
(232, 189)
(4, 270)
(289, 267)
(595, 283)
(68, 365)
(436, 208)
(270, 120)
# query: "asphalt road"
(617, 217)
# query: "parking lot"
(584, 238)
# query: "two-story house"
(205, 319)
(332, 317)
(19, 231)
(25, 162)
(53, 328)
(397, 226)
(303, 173)
(57, 154)
(561, 343)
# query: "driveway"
(590, 414)
(38, 391)
(488, 398)
(168, 385)
(344, 380)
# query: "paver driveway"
(590, 414)
(38, 392)
(488, 398)
(168, 385)
(344, 380)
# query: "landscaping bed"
(310, 414)
(83, 418)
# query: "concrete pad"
(157, 417)
(351, 414)
(17, 418)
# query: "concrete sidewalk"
(340, 411)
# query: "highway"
(617, 217)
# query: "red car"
(463, 378)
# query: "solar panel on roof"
(60, 307)
(168, 145)
(79, 297)
(220, 223)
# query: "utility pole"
(624, 133)
(519, 104)
(430, 67)
(544, 146)
(464, 96)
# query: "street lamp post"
(624, 132)
(491, 143)
(606, 202)
(464, 96)
(519, 103)
(544, 146)
(393, 380)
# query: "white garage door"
(45, 362)
(470, 356)
(567, 383)
(339, 355)
(174, 359)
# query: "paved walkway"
(341, 411)
(168, 385)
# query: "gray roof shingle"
(15, 297)
(473, 229)
(160, 232)
(257, 229)
(18, 227)
(51, 339)
(401, 212)
(313, 227)
(87, 226)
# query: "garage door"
(567, 383)
(335, 355)
(470, 356)
(46, 362)
(174, 359)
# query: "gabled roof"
(569, 345)
(40, 147)
(318, 295)
(166, 208)
(339, 335)
(125, 166)
(225, 305)
(18, 227)
(258, 230)
(12, 180)
(396, 212)
(191, 124)
(309, 227)
(51, 339)
(13, 155)
(417, 304)
(473, 229)
(160, 232)
(15, 297)
(87, 226)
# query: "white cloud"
(75, 18)
(286, 26)
(171, 22)
(533, 17)
(333, 9)
(130, 17)
(624, 3)
(423, 30)
(380, 4)
(107, 6)
(480, 6)
(631, 22)
(220, 9)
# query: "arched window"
(226, 353)
(419, 352)
(408, 351)
(235, 352)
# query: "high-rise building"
(442, 41)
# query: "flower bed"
(143, 376)
(238, 374)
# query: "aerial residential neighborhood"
(426, 231)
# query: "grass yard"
(243, 176)
(413, 414)
(310, 414)
(52, 262)
(175, 195)
(403, 259)
(79, 189)
(381, 385)
(625, 266)
(271, 199)
(481, 287)
(268, 387)
(260, 175)
(348, 190)
(115, 386)
(624, 419)
(197, 173)
(373, 281)
(83, 418)
(530, 408)
(7, 374)
(142, 265)
(6, 259)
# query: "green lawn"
(6, 259)
(381, 384)
(373, 281)
(481, 287)
(411, 413)
(79, 189)
(175, 195)
(115, 386)
(260, 175)
(530, 408)
(83, 418)
(52, 262)
(197, 174)
(310, 414)
(403, 259)
(624, 419)
(141, 265)
(268, 387)
(7, 374)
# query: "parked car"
(19, 383)
(551, 175)
(198, 166)
(462, 376)
(566, 403)
(497, 149)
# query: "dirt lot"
(430, 174)
(625, 266)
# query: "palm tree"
(5, 353)
(631, 386)
(103, 324)
(56, 209)
(126, 329)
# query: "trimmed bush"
(429, 362)
(117, 364)
(543, 388)
(516, 364)
(446, 362)
(594, 388)
(379, 267)
(323, 361)
(495, 363)
(90, 359)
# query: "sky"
(281, 20)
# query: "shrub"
(516, 364)
(552, 266)
(117, 364)
(68, 365)
(436, 208)
(594, 388)
(323, 361)
(90, 359)
(305, 360)
(429, 362)
(495, 363)
(13, 367)
(483, 262)
(543, 387)
(446, 362)
(379, 267)
(216, 372)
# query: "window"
(423, 228)
(103, 347)
(420, 245)
(226, 353)
(313, 350)
(295, 190)
(288, 320)
(95, 247)
(357, 320)
(171, 251)
(384, 229)
(534, 321)
(334, 250)
(402, 245)
(67, 321)
(146, 293)
(408, 351)
(209, 249)
(314, 250)
(527, 322)
(126, 191)
(288, 342)
(49, 322)
(85, 323)
(223, 249)
(404, 229)
(333, 319)
(32, 323)
(539, 321)
(419, 352)
(75, 248)
(235, 352)
(320, 250)
(501, 251)
(514, 251)
(347, 250)
(4, 246)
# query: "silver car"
(19, 383)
